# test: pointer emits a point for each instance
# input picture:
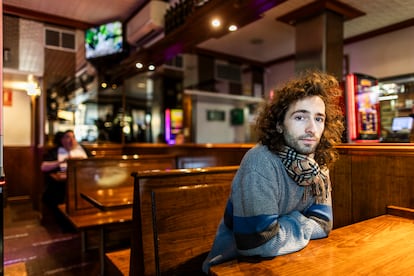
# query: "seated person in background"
(281, 195)
(54, 167)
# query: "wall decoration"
(7, 97)
(216, 115)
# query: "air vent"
(60, 39)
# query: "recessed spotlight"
(151, 67)
(215, 23)
(104, 85)
(232, 28)
(139, 65)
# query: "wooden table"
(107, 200)
(110, 199)
(380, 246)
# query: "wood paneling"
(175, 218)
(367, 178)
(23, 177)
(342, 191)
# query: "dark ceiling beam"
(317, 7)
(45, 18)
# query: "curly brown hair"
(310, 83)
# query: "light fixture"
(151, 67)
(32, 86)
(215, 22)
(232, 28)
(139, 65)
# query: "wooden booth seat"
(107, 173)
(175, 217)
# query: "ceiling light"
(215, 23)
(32, 86)
(232, 28)
(139, 65)
(151, 67)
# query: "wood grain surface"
(380, 246)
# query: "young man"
(281, 195)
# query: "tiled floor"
(31, 248)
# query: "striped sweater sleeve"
(261, 229)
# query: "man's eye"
(320, 119)
(299, 118)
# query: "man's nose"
(311, 127)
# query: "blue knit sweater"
(267, 214)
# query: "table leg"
(102, 249)
(83, 241)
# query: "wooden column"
(319, 35)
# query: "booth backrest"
(106, 173)
(175, 217)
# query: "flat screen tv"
(104, 40)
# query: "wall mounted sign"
(216, 115)
(7, 97)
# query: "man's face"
(304, 124)
(69, 141)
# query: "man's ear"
(279, 128)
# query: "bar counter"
(382, 246)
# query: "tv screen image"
(104, 40)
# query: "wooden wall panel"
(371, 184)
(404, 178)
(21, 172)
(375, 176)
(342, 191)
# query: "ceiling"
(263, 41)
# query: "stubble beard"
(294, 142)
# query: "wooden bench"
(104, 173)
(175, 218)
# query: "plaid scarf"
(306, 172)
